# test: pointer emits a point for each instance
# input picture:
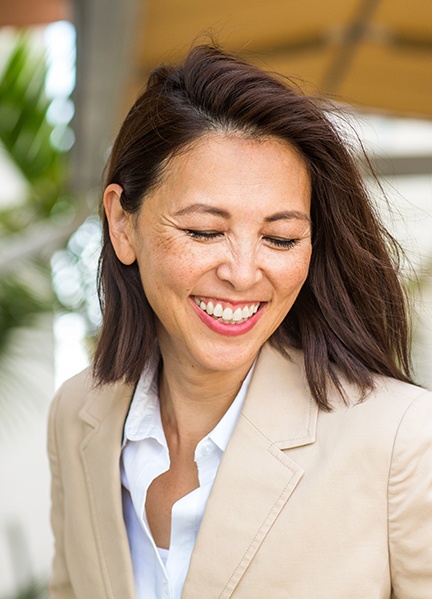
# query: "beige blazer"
(306, 504)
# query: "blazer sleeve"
(59, 585)
(410, 503)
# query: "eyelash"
(209, 235)
(282, 243)
(203, 235)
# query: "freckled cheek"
(302, 275)
(292, 273)
(303, 262)
(171, 273)
(304, 266)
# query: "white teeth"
(238, 315)
(218, 310)
(245, 312)
(227, 315)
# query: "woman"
(248, 429)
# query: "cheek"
(168, 266)
(293, 273)
(303, 266)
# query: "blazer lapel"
(105, 411)
(255, 478)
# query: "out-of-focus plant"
(35, 590)
(36, 150)
(26, 140)
(27, 137)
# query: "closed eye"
(203, 235)
(281, 243)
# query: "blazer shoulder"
(289, 367)
(83, 381)
(80, 396)
(73, 393)
(387, 408)
(398, 392)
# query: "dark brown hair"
(350, 316)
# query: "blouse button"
(206, 449)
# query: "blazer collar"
(101, 402)
(256, 478)
(105, 410)
(279, 403)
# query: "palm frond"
(26, 136)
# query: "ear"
(120, 226)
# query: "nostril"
(242, 275)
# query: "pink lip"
(230, 330)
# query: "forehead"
(218, 148)
(231, 170)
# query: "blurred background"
(69, 70)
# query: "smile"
(227, 315)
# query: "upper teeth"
(227, 315)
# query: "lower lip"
(229, 330)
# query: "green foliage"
(26, 139)
(23, 298)
(33, 591)
(26, 134)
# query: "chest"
(166, 490)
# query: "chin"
(227, 359)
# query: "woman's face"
(223, 247)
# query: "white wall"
(27, 385)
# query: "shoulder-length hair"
(350, 317)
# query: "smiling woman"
(254, 348)
(228, 226)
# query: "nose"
(240, 267)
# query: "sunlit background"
(68, 72)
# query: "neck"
(192, 402)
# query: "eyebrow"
(287, 215)
(206, 209)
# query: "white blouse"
(161, 573)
